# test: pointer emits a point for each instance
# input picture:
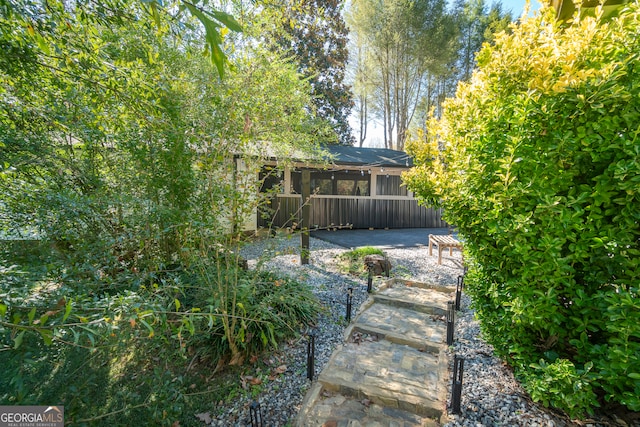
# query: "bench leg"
(440, 254)
(430, 248)
(450, 250)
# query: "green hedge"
(537, 162)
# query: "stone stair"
(393, 366)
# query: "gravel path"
(490, 395)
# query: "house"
(355, 187)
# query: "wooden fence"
(363, 212)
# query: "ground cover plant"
(536, 162)
(352, 261)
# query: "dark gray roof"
(350, 155)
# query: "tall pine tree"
(314, 31)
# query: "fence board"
(359, 212)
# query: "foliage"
(536, 163)
(121, 12)
(258, 310)
(315, 34)
(137, 348)
(353, 260)
(119, 145)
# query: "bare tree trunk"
(363, 119)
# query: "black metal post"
(256, 414)
(311, 350)
(459, 291)
(456, 388)
(387, 268)
(349, 304)
(450, 321)
(369, 279)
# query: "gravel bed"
(490, 395)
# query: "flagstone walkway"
(392, 369)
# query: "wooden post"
(306, 217)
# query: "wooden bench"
(443, 242)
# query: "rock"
(377, 264)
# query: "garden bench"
(443, 242)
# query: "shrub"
(536, 162)
(245, 312)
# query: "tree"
(408, 41)
(315, 33)
(536, 163)
(476, 26)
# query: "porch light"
(333, 176)
(361, 172)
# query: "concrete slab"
(395, 238)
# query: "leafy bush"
(536, 162)
(236, 312)
(353, 260)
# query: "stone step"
(426, 332)
(336, 410)
(390, 375)
(423, 297)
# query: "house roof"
(364, 156)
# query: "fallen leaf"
(175, 424)
(330, 423)
(280, 369)
(256, 381)
(205, 417)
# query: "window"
(340, 183)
